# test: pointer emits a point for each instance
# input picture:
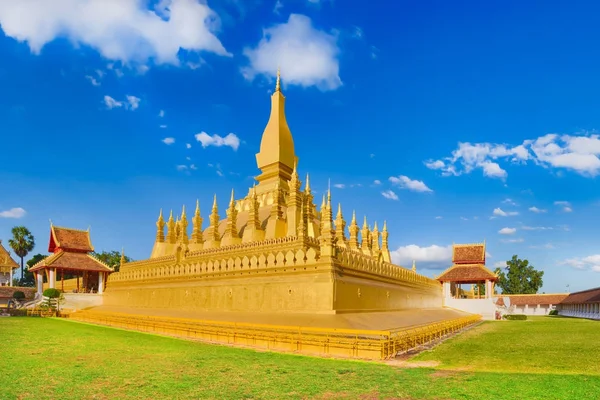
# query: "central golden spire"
(277, 157)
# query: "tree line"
(23, 242)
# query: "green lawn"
(546, 358)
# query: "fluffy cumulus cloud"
(536, 210)
(206, 140)
(578, 153)
(433, 256)
(123, 30)
(389, 194)
(405, 182)
(16, 213)
(168, 140)
(507, 231)
(307, 56)
(585, 263)
(130, 103)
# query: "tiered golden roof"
(7, 264)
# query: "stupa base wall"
(303, 292)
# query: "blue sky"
(454, 122)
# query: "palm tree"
(22, 243)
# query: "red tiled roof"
(72, 261)
(467, 273)
(532, 299)
(468, 253)
(586, 296)
(69, 239)
(5, 258)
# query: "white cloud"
(339, 185)
(188, 146)
(432, 255)
(376, 182)
(536, 210)
(93, 80)
(405, 182)
(519, 240)
(389, 194)
(566, 206)
(507, 231)
(182, 167)
(307, 56)
(112, 103)
(537, 228)
(510, 202)
(168, 140)
(231, 140)
(579, 153)
(123, 30)
(130, 102)
(161, 113)
(500, 264)
(584, 263)
(192, 166)
(163, 126)
(278, 6)
(438, 217)
(464, 218)
(502, 213)
(134, 102)
(546, 246)
(16, 213)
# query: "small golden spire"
(353, 217)
(307, 187)
(339, 213)
(278, 83)
(214, 207)
(197, 213)
(232, 200)
(365, 225)
(375, 227)
(183, 216)
(323, 206)
(414, 266)
(384, 226)
(329, 193)
(171, 216)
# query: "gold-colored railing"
(357, 343)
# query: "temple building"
(531, 304)
(469, 272)
(70, 256)
(275, 266)
(584, 304)
(7, 266)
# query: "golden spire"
(278, 83)
(340, 227)
(323, 204)
(183, 226)
(414, 267)
(307, 186)
(214, 221)
(353, 241)
(277, 156)
(122, 258)
(232, 200)
(365, 243)
(375, 240)
(329, 194)
(160, 228)
(197, 237)
(171, 234)
(385, 250)
(214, 207)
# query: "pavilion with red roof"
(71, 250)
(468, 269)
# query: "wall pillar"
(39, 281)
(52, 279)
(488, 289)
(100, 282)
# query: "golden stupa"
(275, 262)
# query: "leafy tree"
(29, 279)
(111, 258)
(519, 278)
(22, 243)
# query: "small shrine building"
(468, 270)
(7, 266)
(71, 256)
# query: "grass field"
(544, 358)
